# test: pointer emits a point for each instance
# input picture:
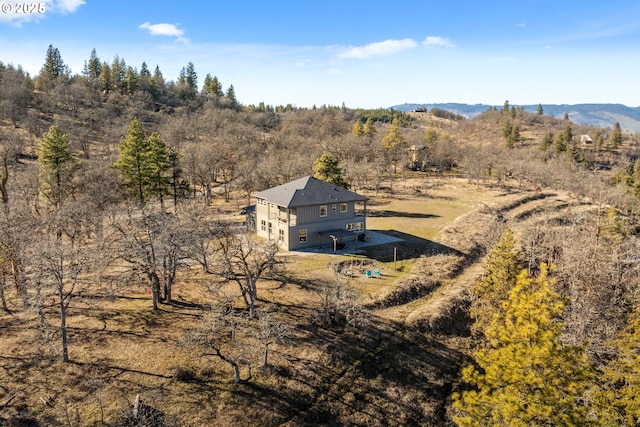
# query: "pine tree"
(143, 163)
(358, 128)
(615, 138)
(118, 70)
(500, 273)
(547, 141)
(57, 167)
(505, 108)
(159, 165)
(540, 111)
(231, 95)
(392, 141)
(105, 80)
(524, 376)
(131, 82)
(53, 67)
(369, 128)
(92, 68)
(620, 399)
(326, 168)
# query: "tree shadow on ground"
(378, 375)
(410, 247)
(389, 213)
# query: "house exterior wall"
(284, 225)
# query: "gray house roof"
(308, 191)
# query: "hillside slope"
(601, 115)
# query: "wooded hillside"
(131, 295)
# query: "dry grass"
(380, 375)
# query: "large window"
(323, 210)
(343, 207)
(303, 235)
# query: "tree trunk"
(252, 305)
(3, 282)
(155, 289)
(63, 326)
(236, 372)
(265, 356)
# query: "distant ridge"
(600, 115)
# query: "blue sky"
(365, 54)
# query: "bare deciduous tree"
(57, 268)
(223, 333)
(152, 246)
(244, 261)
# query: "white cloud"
(384, 48)
(435, 41)
(63, 6)
(170, 30)
(17, 12)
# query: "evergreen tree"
(563, 140)
(505, 108)
(392, 141)
(540, 111)
(105, 80)
(92, 69)
(369, 128)
(358, 128)
(598, 140)
(53, 67)
(131, 82)
(157, 84)
(326, 168)
(159, 165)
(57, 167)
(620, 399)
(524, 376)
(547, 141)
(118, 70)
(501, 271)
(615, 138)
(143, 163)
(507, 128)
(212, 87)
(191, 78)
(231, 95)
(144, 77)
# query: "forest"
(132, 295)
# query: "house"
(417, 157)
(586, 139)
(308, 212)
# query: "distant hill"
(601, 115)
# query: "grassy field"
(119, 347)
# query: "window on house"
(281, 235)
(343, 207)
(349, 227)
(333, 207)
(263, 225)
(303, 235)
(359, 225)
(323, 210)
